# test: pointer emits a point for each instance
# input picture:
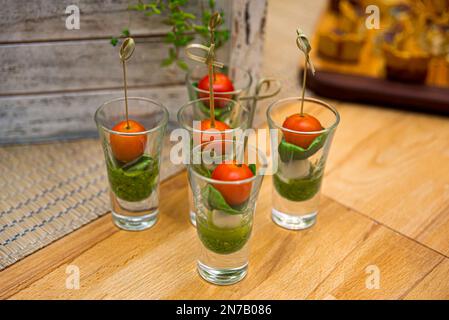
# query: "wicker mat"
(49, 190)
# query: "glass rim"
(192, 102)
(316, 101)
(151, 101)
(235, 92)
(236, 182)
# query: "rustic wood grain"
(38, 118)
(434, 286)
(55, 69)
(397, 174)
(142, 251)
(44, 20)
(247, 34)
(328, 260)
(82, 65)
(401, 263)
(22, 274)
(71, 115)
(435, 234)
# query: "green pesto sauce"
(298, 189)
(136, 182)
(223, 240)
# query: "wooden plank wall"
(53, 79)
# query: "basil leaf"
(202, 170)
(216, 201)
(142, 163)
(288, 151)
(253, 169)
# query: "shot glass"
(237, 118)
(133, 160)
(297, 179)
(241, 79)
(225, 209)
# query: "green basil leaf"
(143, 163)
(202, 170)
(253, 169)
(288, 151)
(216, 200)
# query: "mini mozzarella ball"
(224, 220)
(295, 169)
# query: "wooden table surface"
(385, 210)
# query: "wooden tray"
(365, 80)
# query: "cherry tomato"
(221, 84)
(233, 194)
(305, 123)
(128, 148)
(206, 125)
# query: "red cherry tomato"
(233, 194)
(305, 123)
(128, 148)
(206, 125)
(221, 84)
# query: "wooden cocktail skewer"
(214, 21)
(126, 51)
(303, 44)
(126, 148)
(302, 122)
(209, 60)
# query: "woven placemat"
(48, 191)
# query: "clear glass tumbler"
(297, 179)
(237, 118)
(241, 80)
(225, 209)
(133, 160)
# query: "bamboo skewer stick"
(126, 51)
(303, 44)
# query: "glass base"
(192, 218)
(135, 223)
(293, 222)
(222, 277)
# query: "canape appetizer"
(297, 179)
(342, 36)
(133, 175)
(406, 59)
(225, 224)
